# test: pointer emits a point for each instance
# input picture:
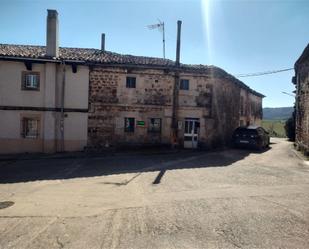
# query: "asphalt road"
(228, 199)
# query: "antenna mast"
(160, 27)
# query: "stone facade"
(212, 99)
(301, 81)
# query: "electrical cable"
(263, 73)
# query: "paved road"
(229, 199)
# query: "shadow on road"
(60, 169)
(159, 176)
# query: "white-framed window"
(31, 81)
(30, 127)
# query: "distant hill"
(277, 113)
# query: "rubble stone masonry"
(302, 106)
(214, 100)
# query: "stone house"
(130, 104)
(64, 99)
(301, 81)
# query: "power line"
(292, 95)
(263, 73)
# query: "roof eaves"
(303, 56)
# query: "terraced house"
(65, 99)
(301, 80)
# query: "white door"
(192, 126)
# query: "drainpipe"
(62, 107)
(176, 89)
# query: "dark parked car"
(251, 137)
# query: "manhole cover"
(6, 204)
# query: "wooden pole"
(176, 90)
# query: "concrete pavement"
(228, 199)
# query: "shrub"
(290, 127)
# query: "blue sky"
(238, 36)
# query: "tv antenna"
(160, 27)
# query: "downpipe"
(62, 107)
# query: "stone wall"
(215, 101)
(250, 109)
(111, 102)
(302, 107)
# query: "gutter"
(41, 60)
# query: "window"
(129, 124)
(131, 82)
(30, 81)
(154, 125)
(184, 84)
(30, 127)
(242, 112)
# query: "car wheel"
(259, 147)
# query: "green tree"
(290, 127)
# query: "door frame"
(191, 136)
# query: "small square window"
(154, 125)
(131, 82)
(30, 81)
(129, 124)
(30, 127)
(184, 84)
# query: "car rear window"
(246, 131)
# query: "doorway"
(192, 127)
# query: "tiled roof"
(91, 55)
(81, 54)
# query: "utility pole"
(176, 89)
(178, 43)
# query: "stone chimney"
(103, 42)
(52, 34)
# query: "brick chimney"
(52, 34)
